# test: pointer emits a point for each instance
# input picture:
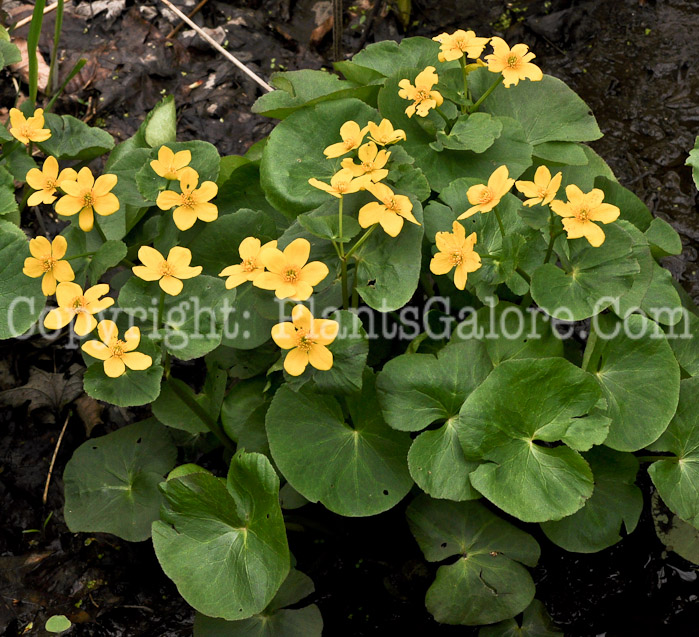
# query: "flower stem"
(523, 274)
(359, 243)
(552, 240)
(79, 256)
(462, 61)
(212, 425)
(485, 95)
(355, 294)
(497, 216)
(444, 117)
(343, 259)
(161, 309)
(8, 149)
(100, 232)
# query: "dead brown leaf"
(22, 68)
(90, 412)
(46, 390)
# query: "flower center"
(303, 342)
(350, 143)
(422, 95)
(583, 214)
(118, 349)
(166, 269)
(50, 184)
(457, 257)
(48, 263)
(543, 192)
(392, 205)
(79, 304)
(342, 186)
(460, 44)
(513, 61)
(249, 265)
(187, 200)
(291, 275)
(486, 196)
(25, 130)
(88, 199)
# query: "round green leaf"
(595, 279)
(487, 583)
(72, 138)
(294, 153)
(535, 623)
(416, 390)
(615, 501)
(243, 414)
(355, 470)
(111, 482)
(684, 341)
(677, 478)
(131, 389)
(57, 624)
(522, 402)
(625, 357)
(548, 110)
(674, 533)
(161, 123)
(21, 299)
(224, 544)
(475, 132)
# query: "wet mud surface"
(632, 62)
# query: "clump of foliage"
(422, 285)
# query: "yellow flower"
(73, 302)
(306, 338)
(456, 251)
(290, 275)
(514, 63)
(373, 162)
(46, 180)
(193, 203)
(46, 261)
(485, 198)
(390, 212)
(384, 134)
(87, 195)
(543, 189)
(341, 183)
(422, 94)
(352, 137)
(28, 129)
(250, 251)
(581, 210)
(169, 164)
(168, 272)
(117, 354)
(460, 42)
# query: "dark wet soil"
(631, 60)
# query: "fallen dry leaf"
(22, 68)
(46, 389)
(90, 412)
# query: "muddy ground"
(631, 60)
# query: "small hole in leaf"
(95, 448)
(444, 545)
(138, 442)
(385, 492)
(524, 341)
(268, 516)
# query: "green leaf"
(275, 620)
(684, 341)
(111, 482)
(9, 54)
(693, 161)
(368, 473)
(328, 227)
(502, 420)
(72, 138)
(674, 533)
(631, 207)
(161, 123)
(294, 153)
(476, 132)
(131, 389)
(510, 333)
(615, 501)
(663, 238)
(388, 270)
(55, 623)
(595, 279)
(349, 349)
(677, 478)
(8, 202)
(307, 88)
(548, 110)
(108, 255)
(19, 163)
(243, 414)
(243, 190)
(623, 357)
(224, 544)
(569, 153)
(172, 411)
(388, 57)
(416, 390)
(21, 299)
(192, 320)
(487, 583)
(535, 623)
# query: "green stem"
(523, 274)
(444, 117)
(54, 51)
(483, 97)
(8, 149)
(462, 61)
(359, 243)
(355, 294)
(552, 240)
(182, 391)
(655, 458)
(76, 69)
(79, 256)
(32, 45)
(497, 216)
(339, 229)
(161, 309)
(25, 197)
(100, 232)
(343, 260)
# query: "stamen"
(512, 61)
(249, 265)
(48, 264)
(303, 342)
(486, 196)
(457, 257)
(291, 275)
